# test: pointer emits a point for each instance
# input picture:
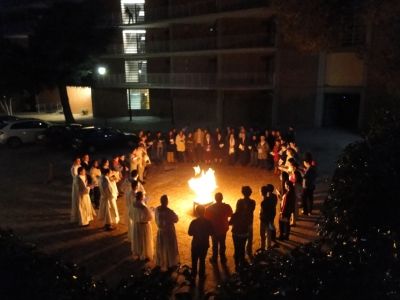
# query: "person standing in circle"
(219, 214)
(167, 255)
(200, 229)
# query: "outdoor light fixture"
(101, 70)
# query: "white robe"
(74, 194)
(167, 254)
(108, 210)
(129, 200)
(86, 212)
(142, 236)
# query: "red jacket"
(218, 214)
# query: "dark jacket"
(309, 178)
(201, 229)
(250, 205)
(288, 204)
(268, 209)
(240, 223)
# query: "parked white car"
(16, 133)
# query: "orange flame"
(203, 185)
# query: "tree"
(320, 25)
(14, 66)
(64, 46)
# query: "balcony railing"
(193, 8)
(196, 44)
(188, 80)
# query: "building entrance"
(341, 110)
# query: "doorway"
(341, 110)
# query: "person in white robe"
(130, 198)
(126, 185)
(86, 211)
(108, 211)
(167, 254)
(142, 237)
(74, 193)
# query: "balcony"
(196, 8)
(196, 44)
(144, 14)
(188, 81)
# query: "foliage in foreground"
(26, 273)
(357, 254)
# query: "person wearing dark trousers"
(309, 178)
(219, 214)
(200, 229)
(240, 222)
(249, 205)
(267, 216)
(243, 150)
(287, 208)
(129, 14)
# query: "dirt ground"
(39, 211)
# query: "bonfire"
(203, 185)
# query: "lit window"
(136, 71)
(132, 11)
(134, 41)
(138, 99)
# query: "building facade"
(222, 62)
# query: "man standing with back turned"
(219, 214)
(200, 229)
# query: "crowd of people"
(98, 184)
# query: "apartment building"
(221, 62)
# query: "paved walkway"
(39, 212)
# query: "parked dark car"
(7, 118)
(94, 138)
(60, 135)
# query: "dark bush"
(26, 273)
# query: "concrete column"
(275, 81)
(319, 100)
(363, 94)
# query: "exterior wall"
(80, 99)
(193, 36)
(160, 103)
(158, 65)
(110, 103)
(194, 106)
(297, 88)
(157, 39)
(249, 108)
(194, 64)
(245, 62)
